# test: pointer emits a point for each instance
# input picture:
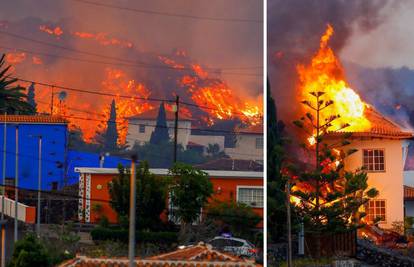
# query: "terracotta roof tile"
(193, 256)
(33, 119)
(381, 127)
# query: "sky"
(214, 43)
(391, 44)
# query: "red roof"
(33, 119)
(381, 127)
(153, 114)
(193, 256)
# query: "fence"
(337, 244)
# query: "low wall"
(372, 254)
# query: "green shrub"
(120, 234)
(30, 252)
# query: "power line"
(136, 63)
(168, 14)
(122, 96)
(126, 64)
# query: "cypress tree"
(111, 135)
(160, 134)
(31, 97)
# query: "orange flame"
(57, 31)
(104, 39)
(15, 58)
(326, 74)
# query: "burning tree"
(328, 198)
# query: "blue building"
(92, 160)
(54, 133)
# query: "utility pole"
(289, 233)
(51, 100)
(177, 102)
(39, 186)
(16, 184)
(132, 208)
(3, 222)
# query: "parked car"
(236, 246)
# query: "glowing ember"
(37, 60)
(57, 31)
(15, 58)
(170, 62)
(325, 74)
(104, 39)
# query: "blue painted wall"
(54, 138)
(85, 159)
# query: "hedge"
(119, 234)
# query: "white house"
(140, 127)
(248, 144)
(382, 150)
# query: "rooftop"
(33, 119)
(231, 165)
(153, 114)
(251, 129)
(199, 255)
(381, 127)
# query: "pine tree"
(31, 97)
(328, 198)
(160, 134)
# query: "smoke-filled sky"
(390, 44)
(214, 43)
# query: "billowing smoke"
(294, 30)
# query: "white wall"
(245, 148)
(388, 183)
(205, 140)
(184, 130)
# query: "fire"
(57, 31)
(37, 60)
(118, 81)
(326, 74)
(171, 62)
(218, 99)
(15, 58)
(103, 39)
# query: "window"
(252, 196)
(374, 160)
(376, 208)
(142, 128)
(259, 143)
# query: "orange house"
(242, 186)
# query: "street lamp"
(39, 183)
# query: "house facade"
(242, 186)
(248, 144)
(140, 127)
(381, 151)
(27, 129)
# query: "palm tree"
(13, 99)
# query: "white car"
(233, 245)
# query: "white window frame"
(250, 187)
(143, 126)
(385, 207)
(373, 149)
(262, 142)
